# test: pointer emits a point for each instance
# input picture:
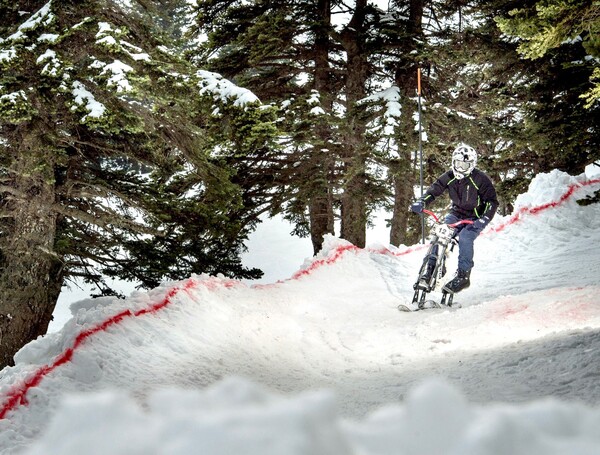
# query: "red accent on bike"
(458, 223)
(453, 225)
(431, 214)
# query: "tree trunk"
(320, 206)
(354, 211)
(321, 221)
(401, 168)
(30, 273)
(354, 199)
(401, 171)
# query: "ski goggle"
(462, 166)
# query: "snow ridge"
(337, 329)
(17, 396)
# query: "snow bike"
(443, 239)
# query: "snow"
(138, 54)
(107, 40)
(224, 90)
(49, 54)
(540, 193)
(104, 37)
(321, 362)
(53, 66)
(315, 100)
(103, 28)
(14, 97)
(48, 37)
(391, 98)
(119, 71)
(125, 4)
(6, 55)
(43, 16)
(83, 97)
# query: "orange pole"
(420, 149)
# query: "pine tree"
(561, 39)
(105, 163)
(407, 43)
(325, 78)
(339, 150)
(280, 50)
(476, 88)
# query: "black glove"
(417, 206)
(481, 223)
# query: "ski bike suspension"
(443, 239)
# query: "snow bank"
(547, 188)
(437, 419)
(348, 368)
(592, 171)
(238, 417)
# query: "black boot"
(427, 274)
(459, 282)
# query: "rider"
(473, 198)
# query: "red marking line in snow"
(338, 252)
(17, 396)
(541, 208)
(410, 250)
(333, 257)
(525, 210)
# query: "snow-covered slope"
(323, 363)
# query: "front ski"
(436, 304)
(428, 305)
(448, 300)
(420, 302)
(408, 308)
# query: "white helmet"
(464, 160)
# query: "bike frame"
(443, 240)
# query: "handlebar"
(453, 225)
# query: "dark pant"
(466, 238)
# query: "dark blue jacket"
(472, 197)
